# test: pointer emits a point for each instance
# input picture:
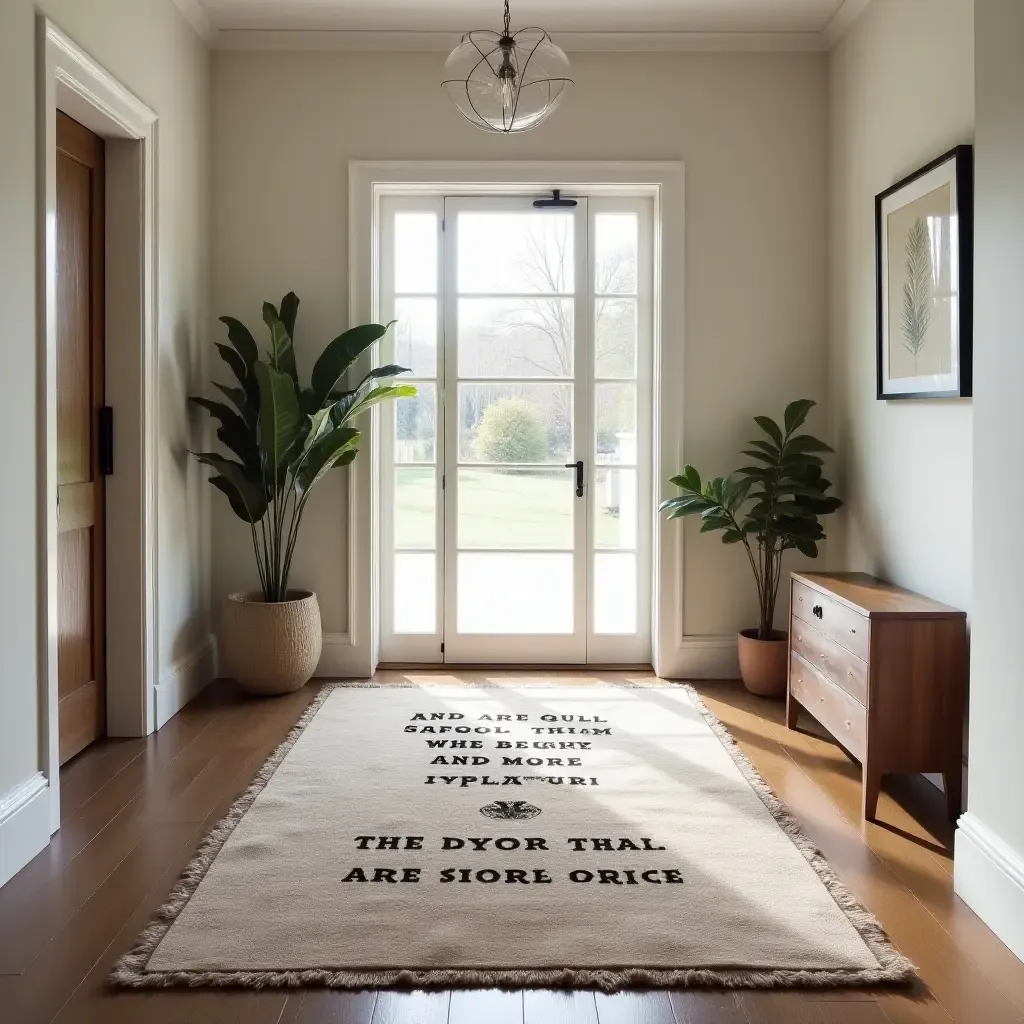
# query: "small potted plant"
(769, 508)
(284, 438)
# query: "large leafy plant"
(285, 437)
(770, 507)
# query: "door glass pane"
(615, 419)
(416, 425)
(614, 593)
(515, 593)
(515, 423)
(513, 253)
(415, 592)
(415, 501)
(520, 337)
(615, 508)
(415, 253)
(615, 337)
(516, 508)
(615, 253)
(415, 336)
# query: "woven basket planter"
(270, 648)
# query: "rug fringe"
(131, 970)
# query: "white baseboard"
(341, 659)
(988, 875)
(185, 680)
(24, 824)
(701, 657)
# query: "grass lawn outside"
(528, 509)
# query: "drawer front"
(831, 660)
(848, 628)
(831, 705)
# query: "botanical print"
(921, 297)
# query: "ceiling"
(582, 24)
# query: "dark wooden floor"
(134, 810)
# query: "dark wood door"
(81, 662)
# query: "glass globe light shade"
(506, 82)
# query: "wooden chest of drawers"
(884, 671)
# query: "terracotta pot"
(270, 648)
(763, 663)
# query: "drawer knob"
(817, 610)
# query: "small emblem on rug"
(505, 810)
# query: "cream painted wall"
(752, 132)
(150, 47)
(902, 93)
(990, 845)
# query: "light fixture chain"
(508, 18)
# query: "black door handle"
(106, 441)
(578, 466)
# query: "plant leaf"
(234, 432)
(770, 427)
(289, 311)
(804, 443)
(282, 353)
(247, 496)
(339, 355)
(234, 361)
(796, 412)
(280, 418)
(244, 342)
(343, 411)
(337, 447)
(241, 402)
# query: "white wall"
(902, 93)
(150, 47)
(989, 871)
(751, 130)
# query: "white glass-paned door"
(516, 509)
(516, 347)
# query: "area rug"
(560, 836)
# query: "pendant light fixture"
(509, 81)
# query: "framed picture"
(924, 236)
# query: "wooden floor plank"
(635, 1008)
(782, 1008)
(135, 810)
(73, 885)
(325, 1007)
(545, 1007)
(956, 981)
(486, 1005)
(53, 976)
(412, 1008)
(707, 1008)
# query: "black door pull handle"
(578, 466)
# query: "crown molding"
(346, 40)
(196, 15)
(325, 38)
(843, 19)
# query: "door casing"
(71, 81)
(585, 646)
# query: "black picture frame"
(961, 163)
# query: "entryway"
(516, 490)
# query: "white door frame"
(71, 81)
(664, 183)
